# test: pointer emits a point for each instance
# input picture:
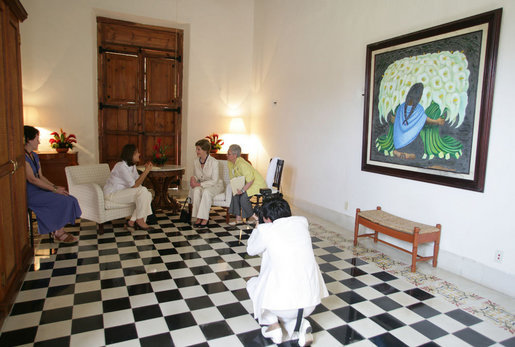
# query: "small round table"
(161, 177)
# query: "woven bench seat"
(399, 228)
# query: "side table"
(161, 177)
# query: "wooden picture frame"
(428, 102)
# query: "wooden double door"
(140, 89)
(15, 251)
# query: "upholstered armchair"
(224, 199)
(86, 182)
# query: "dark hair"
(127, 153)
(275, 209)
(30, 133)
(204, 144)
(413, 98)
(415, 94)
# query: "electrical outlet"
(346, 205)
(498, 256)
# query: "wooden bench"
(399, 228)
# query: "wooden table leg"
(161, 199)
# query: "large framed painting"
(428, 102)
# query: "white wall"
(59, 63)
(310, 60)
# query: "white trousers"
(140, 196)
(288, 318)
(202, 199)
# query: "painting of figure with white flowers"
(423, 100)
(417, 97)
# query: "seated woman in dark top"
(53, 206)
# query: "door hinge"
(169, 109)
(101, 106)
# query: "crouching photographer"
(289, 285)
(266, 196)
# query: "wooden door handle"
(15, 166)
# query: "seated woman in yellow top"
(240, 203)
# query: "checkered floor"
(178, 286)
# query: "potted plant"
(216, 142)
(62, 142)
(159, 156)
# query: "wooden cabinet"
(53, 164)
(15, 251)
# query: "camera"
(266, 196)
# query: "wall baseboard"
(448, 261)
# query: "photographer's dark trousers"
(241, 206)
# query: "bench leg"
(227, 215)
(414, 250)
(436, 248)
(414, 258)
(101, 229)
(356, 227)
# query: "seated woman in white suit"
(205, 183)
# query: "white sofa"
(85, 182)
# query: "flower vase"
(213, 151)
(160, 162)
(62, 150)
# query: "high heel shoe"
(130, 227)
(64, 237)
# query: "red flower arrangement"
(159, 156)
(62, 141)
(216, 143)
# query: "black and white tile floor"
(178, 286)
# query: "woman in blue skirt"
(53, 206)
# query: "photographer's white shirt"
(290, 277)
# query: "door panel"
(159, 122)
(122, 78)
(160, 84)
(121, 119)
